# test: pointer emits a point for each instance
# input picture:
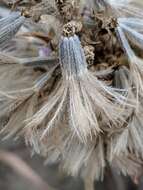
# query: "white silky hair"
(19, 97)
(124, 147)
(128, 165)
(87, 97)
(130, 32)
(130, 136)
(120, 7)
(4, 12)
(19, 91)
(11, 17)
(85, 102)
(84, 160)
(119, 2)
(9, 26)
(75, 157)
(126, 7)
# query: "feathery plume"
(129, 30)
(88, 98)
(125, 8)
(124, 145)
(129, 137)
(80, 114)
(9, 27)
(25, 86)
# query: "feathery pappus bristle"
(125, 8)
(10, 26)
(129, 33)
(9, 19)
(79, 105)
(88, 98)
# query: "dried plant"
(79, 101)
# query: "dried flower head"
(81, 116)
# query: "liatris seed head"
(85, 119)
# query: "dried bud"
(89, 54)
(72, 28)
